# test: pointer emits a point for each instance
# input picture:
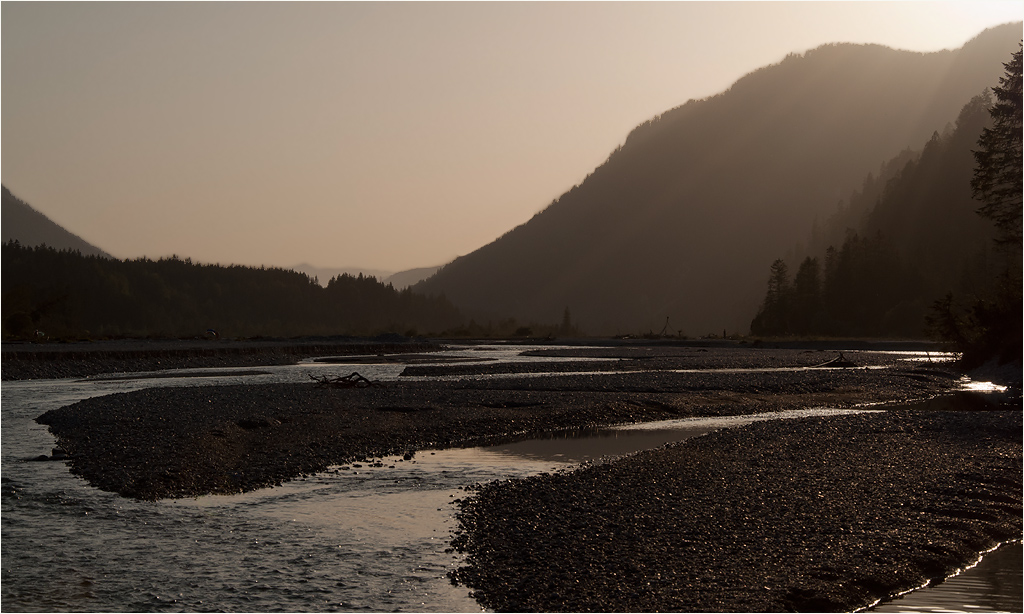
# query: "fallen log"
(353, 380)
(839, 361)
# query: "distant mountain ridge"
(410, 277)
(679, 221)
(325, 274)
(29, 227)
(400, 280)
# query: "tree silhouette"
(67, 295)
(993, 327)
(807, 297)
(773, 317)
(997, 176)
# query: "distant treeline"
(508, 328)
(917, 257)
(63, 294)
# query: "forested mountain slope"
(679, 221)
(29, 227)
(906, 242)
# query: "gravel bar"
(820, 514)
(184, 442)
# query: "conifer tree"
(807, 297)
(773, 317)
(997, 177)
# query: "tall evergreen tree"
(992, 328)
(997, 176)
(807, 297)
(773, 317)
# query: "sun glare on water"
(983, 387)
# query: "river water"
(363, 538)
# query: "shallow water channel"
(368, 536)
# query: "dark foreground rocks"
(823, 514)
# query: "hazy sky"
(379, 135)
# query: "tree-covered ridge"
(924, 256)
(24, 224)
(910, 240)
(66, 294)
(680, 221)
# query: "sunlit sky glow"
(379, 135)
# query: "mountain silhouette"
(679, 221)
(29, 227)
(325, 274)
(400, 280)
(403, 279)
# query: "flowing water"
(992, 585)
(354, 539)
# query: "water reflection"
(592, 444)
(968, 384)
(584, 445)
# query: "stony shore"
(824, 514)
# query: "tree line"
(863, 289)
(63, 294)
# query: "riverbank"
(52, 360)
(822, 514)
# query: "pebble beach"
(823, 514)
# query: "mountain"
(404, 279)
(325, 274)
(679, 221)
(400, 280)
(29, 227)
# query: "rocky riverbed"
(815, 514)
(822, 514)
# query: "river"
(361, 538)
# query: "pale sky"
(376, 135)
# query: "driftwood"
(354, 380)
(839, 361)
